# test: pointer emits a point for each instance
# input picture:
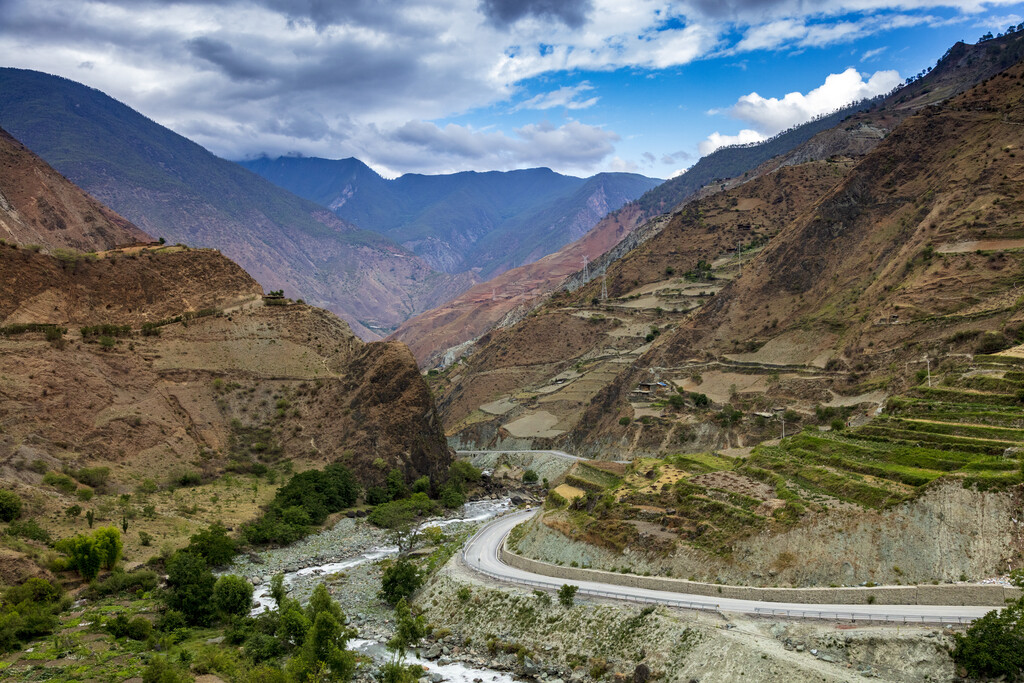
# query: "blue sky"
(434, 86)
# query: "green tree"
(399, 581)
(214, 545)
(190, 587)
(408, 631)
(294, 624)
(83, 553)
(109, 545)
(277, 590)
(395, 484)
(10, 506)
(321, 602)
(567, 594)
(530, 477)
(232, 596)
(993, 646)
(421, 485)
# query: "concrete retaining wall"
(943, 594)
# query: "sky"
(439, 86)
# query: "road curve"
(481, 555)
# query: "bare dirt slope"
(40, 206)
(217, 380)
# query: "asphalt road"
(481, 555)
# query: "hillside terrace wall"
(943, 594)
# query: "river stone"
(529, 667)
(434, 652)
(436, 678)
(641, 673)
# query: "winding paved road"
(481, 555)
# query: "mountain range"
(483, 222)
(172, 188)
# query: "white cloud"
(871, 54)
(335, 79)
(770, 115)
(566, 97)
(716, 140)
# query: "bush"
(133, 629)
(700, 400)
(530, 477)
(109, 545)
(400, 580)
(421, 485)
(567, 594)
(161, 670)
(451, 497)
(190, 587)
(28, 611)
(214, 545)
(60, 481)
(463, 472)
(96, 477)
(10, 506)
(232, 595)
(463, 594)
(624, 420)
(83, 555)
(122, 582)
(992, 342)
(30, 529)
(993, 646)
(171, 620)
(399, 513)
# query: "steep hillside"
(163, 362)
(438, 335)
(916, 253)
(39, 206)
(532, 381)
(486, 222)
(173, 188)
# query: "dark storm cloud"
(572, 13)
(234, 65)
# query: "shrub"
(96, 477)
(60, 481)
(992, 342)
(10, 506)
(190, 587)
(451, 497)
(171, 620)
(421, 485)
(399, 513)
(134, 629)
(109, 545)
(28, 611)
(400, 580)
(214, 545)
(145, 538)
(464, 594)
(73, 511)
(29, 529)
(700, 400)
(530, 477)
(83, 555)
(993, 646)
(120, 582)
(464, 472)
(624, 420)
(161, 670)
(567, 594)
(232, 595)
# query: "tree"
(213, 544)
(232, 596)
(567, 594)
(395, 484)
(190, 583)
(399, 581)
(421, 485)
(277, 590)
(408, 631)
(83, 553)
(993, 646)
(10, 506)
(109, 545)
(530, 477)
(321, 602)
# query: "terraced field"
(967, 427)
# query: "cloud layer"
(770, 115)
(379, 79)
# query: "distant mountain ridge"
(173, 188)
(488, 221)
